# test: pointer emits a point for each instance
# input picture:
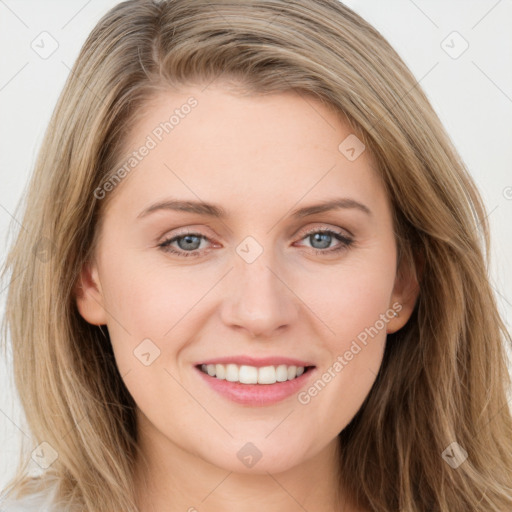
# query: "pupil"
(318, 237)
(187, 239)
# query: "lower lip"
(256, 394)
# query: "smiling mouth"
(245, 374)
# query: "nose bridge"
(258, 300)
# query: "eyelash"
(346, 243)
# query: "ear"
(405, 293)
(89, 296)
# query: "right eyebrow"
(198, 207)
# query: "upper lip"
(258, 362)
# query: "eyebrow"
(216, 211)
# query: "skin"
(259, 157)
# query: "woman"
(332, 341)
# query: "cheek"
(350, 297)
(149, 309)
(149, 298)
(153, 309)
(355, 312)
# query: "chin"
(258, 456)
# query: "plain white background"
(470, 88)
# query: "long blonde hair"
(444, 376)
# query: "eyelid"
(321, 227)
(173, 233)
(344, 241)
(325, 227)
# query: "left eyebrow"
(212, 210)
(334, 204)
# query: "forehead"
(217, 145)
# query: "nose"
(257, 299)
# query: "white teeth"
(292, 372)
(248, 375)
(232, 372)
(220, 371)
(281, 373)
(251, 374)
(266, 375)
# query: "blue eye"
(188, 243)
(325, 237)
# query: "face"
(255, 286)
